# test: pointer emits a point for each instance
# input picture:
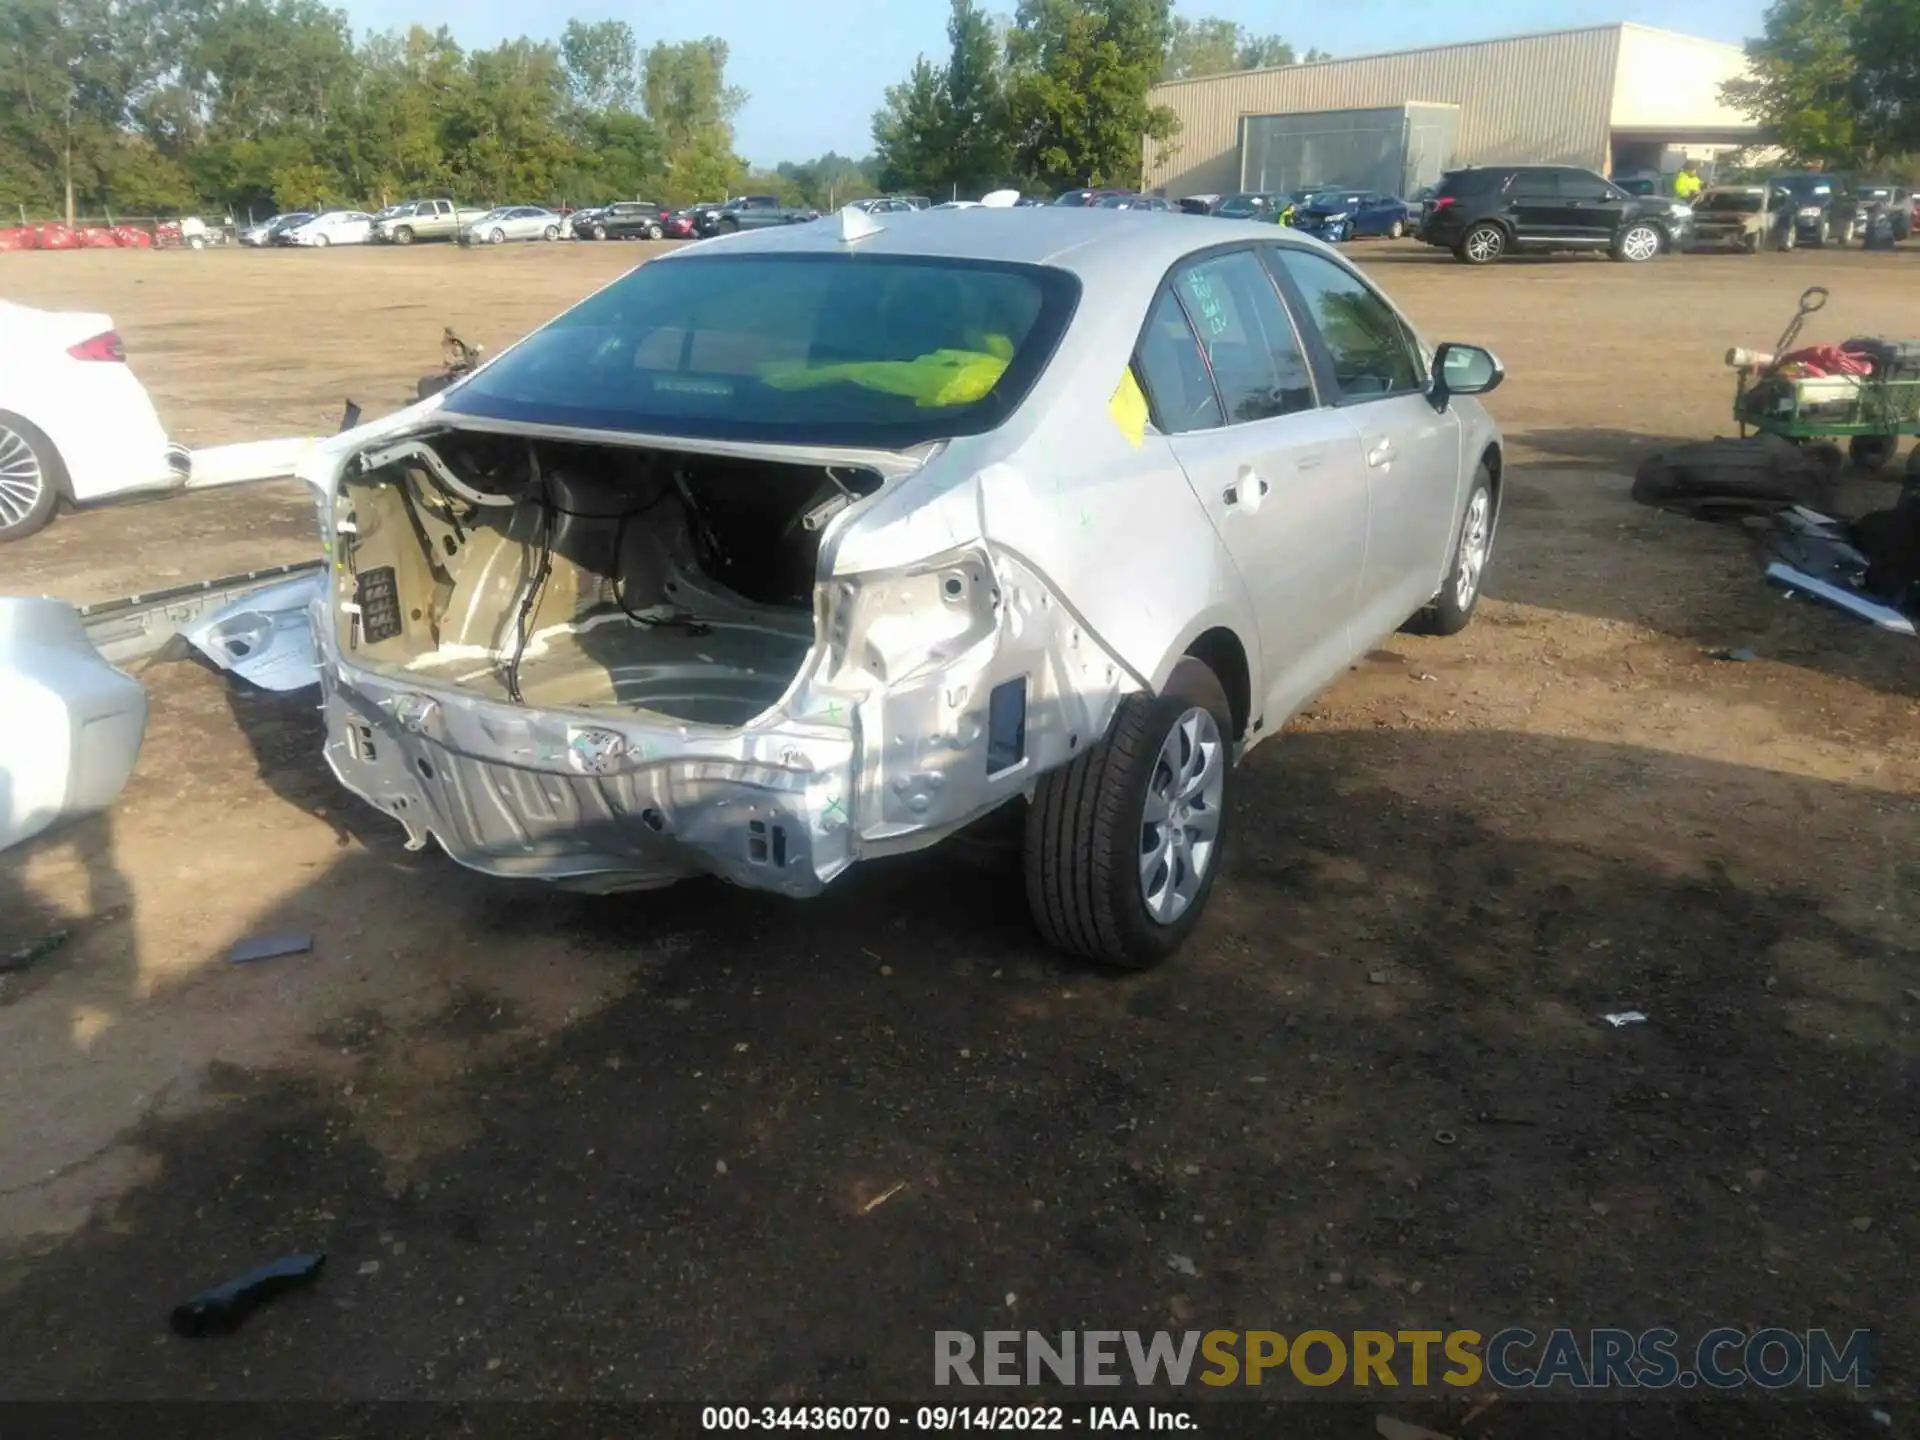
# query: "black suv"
(1487, 212)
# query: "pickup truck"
(751, 212)
(423, 220)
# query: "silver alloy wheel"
(1396, 230)
(1642, 242)
(498, 236)
(1485, 243)
(1180, 821)
(1476, 537)
(22, 480)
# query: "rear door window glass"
(1173, 371)
(1248, 340)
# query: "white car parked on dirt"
(75, 423)
(336, 227)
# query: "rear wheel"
(1637, 244)
(1482, 245)
(29, 489)
(1122, 845)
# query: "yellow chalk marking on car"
(1129, 409)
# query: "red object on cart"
(98, 237)
(56, 237)
(17, 237)
(132, 237)
(1822, 360)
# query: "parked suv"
(1898, 200)
(1485, 213)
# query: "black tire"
(599, 232)
(1086, 824)
(1396, 229)
(1727, 479)
(1913, 467)
(550, 234)
(403, 235)
(729, 226)
(654, 232)
(22, 514)
(1822, 235)
(1871, 453)
(1448, 613)
(1481, 245)
(1790, 241)
(1750, 243)
(1638, 244)
(498, 237)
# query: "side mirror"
(1463, 370)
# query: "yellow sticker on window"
(1129, 409)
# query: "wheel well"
(1492, 459)
(1220, 651)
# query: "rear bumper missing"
(885, 744)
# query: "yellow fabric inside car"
(943, 377)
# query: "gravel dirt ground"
(710, 1145)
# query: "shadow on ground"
(1568, 511)
(1377, 1092)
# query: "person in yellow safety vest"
(1687, 183)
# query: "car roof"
(1083, 241)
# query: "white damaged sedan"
(809, 545)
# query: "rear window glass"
(1467, 182)
(804, 349)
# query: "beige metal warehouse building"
(1611, 97)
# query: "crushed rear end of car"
(613, 658)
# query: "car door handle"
(1247, 491)
(1381, 453)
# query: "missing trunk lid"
(586, 577)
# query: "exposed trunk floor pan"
(709, 674)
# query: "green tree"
(1886, 47)
(603, 65)
(1078, 76)
(945, 128)
(911, 130)
(831, 180)
(1212, 46)
(692, 107)
(1803, 83)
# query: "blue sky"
(815, 69)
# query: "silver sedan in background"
(826, 541)
(513, 222)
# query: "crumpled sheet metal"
(266, 637)
(1814, 557)
(879, 748)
